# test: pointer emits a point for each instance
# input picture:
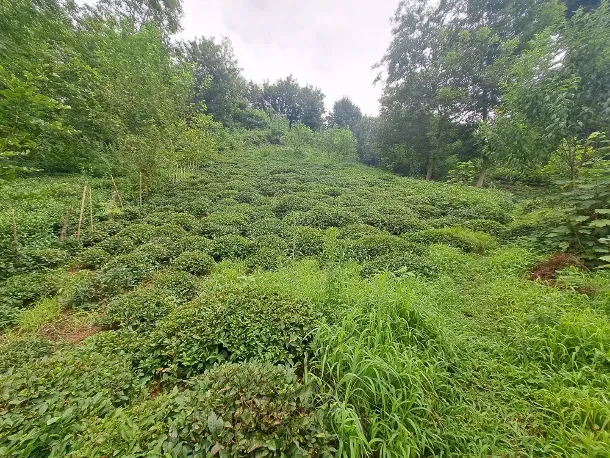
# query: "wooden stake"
(111, 206)
(15, 239)
(82, 210)
(140, 188)
(117, 191)
(64, 229)
(90, 209)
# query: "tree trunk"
(430, 169)
(483, 174)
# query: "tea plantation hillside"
(293, 304)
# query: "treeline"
(515, 90)
(510, 90)
(106, 88)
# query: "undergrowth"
(276, 304)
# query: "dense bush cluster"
(393, 300)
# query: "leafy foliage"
(235, 409)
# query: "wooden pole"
(82, 210)
(90, 209)
(15, 239)
(64, 229)
(111, 206)
(140, 188)
(117, 191)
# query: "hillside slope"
(283, 304)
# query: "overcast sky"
(331, 44)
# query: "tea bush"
(138, 233)
(48, 258)
(92, 258)
(101, 231)
(193, 243)
(157, 251)
(237, 323)
(168, 230)
(139, 310)
(20, 352)
(23, 290)
(231, 247)
(305, 241)
(46, 403)
(194, 262)
(116, 245)
(490, 227)
(219, 224)
(372, 246)
(184, 220)
(400, 264)
(248, 409)
(183, 286)
(465, 239)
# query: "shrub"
(46, 257)
(250, 409)
(24, 351)
(372, 246)
(322, 217)
(139, 310)
(168, 230)
(159, 253)
(101, 231)
(399, 223)
(465, 239)
(92, 258)
(181, 285)
(194, 262)
(400, 264)
(268, 226)
(194, 243)
(231, 247)
(44, 404)
(270, 241)
(219, 224)
(138, 233)
(23, 290)
(355, 231)
(183, 220)
(490, 227)
(121, 273)
(305, 241)
(116, 245)
(234, 324)
(266, 258)
(9, 316)
(198, 207)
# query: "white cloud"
(331, 44)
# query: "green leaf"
(600, 223)
(603, 211)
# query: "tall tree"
(419, 101)
(166, 14)
(287, 97)
(217, 77)
(345, 115)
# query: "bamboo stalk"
(111, 206)
(90, 209)
(117, 191)
(82, 210)
(140, 188)
(15, 239)
(64, 229)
